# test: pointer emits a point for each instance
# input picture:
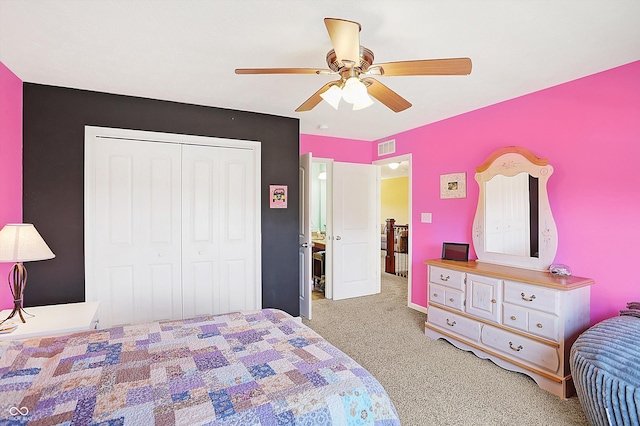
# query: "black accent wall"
(53, 166)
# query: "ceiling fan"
(354, 64)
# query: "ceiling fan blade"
(315, 99)
(345, 37)
(452, 66)
(385, 95)
(281, 71)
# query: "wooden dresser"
(523, 320)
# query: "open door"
(355, 232)
(304, 254)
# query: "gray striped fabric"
(605, 364)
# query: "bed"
(252, 368)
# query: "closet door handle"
(305, 245)
(338, 237)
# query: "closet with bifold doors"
(172, 225)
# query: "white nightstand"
(53, 320)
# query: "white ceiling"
(187, 50)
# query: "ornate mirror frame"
(510, 161)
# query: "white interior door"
(137, 228)
(304, 253)
(355, 231)
(218, 236)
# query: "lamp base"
(17, 309)
(17, 282)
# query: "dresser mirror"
(513, 224)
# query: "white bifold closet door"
(173, 231)
(217, 231)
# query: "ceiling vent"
(386, 148)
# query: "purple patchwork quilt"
(253, 368)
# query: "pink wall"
(589, 129)
(10, 163)
(344, 150)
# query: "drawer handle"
(493, 300)
(451, 299)
(450, 324)
(539, 325)
(435, 294)
(443, 278)
(513, 317)
(518, 349)
(527, 299)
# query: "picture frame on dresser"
(455, 251)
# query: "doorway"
(395, 203)
(343, 217)
(320, 222)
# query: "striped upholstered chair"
(605, 364)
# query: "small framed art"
(453, 185)
(278, 196)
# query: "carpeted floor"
(432, 382)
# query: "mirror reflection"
(511, 215)
(318, 198)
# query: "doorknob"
(338, 237)
(305, 245)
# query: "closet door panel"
(217, 246)
(200, 247)
(137, 229)
(237, 231)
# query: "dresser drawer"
(454, 299)
(521, 348)
(532, 321)
(543, 325)
(446, 296)
(515, 316)
(436, 294)
(534, 297)
(446, 277)
(454, 323)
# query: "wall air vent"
(386, 148)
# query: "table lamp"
(21, 242)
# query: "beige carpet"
(430, 381)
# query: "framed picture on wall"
(453, 185)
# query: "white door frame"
(93, 132)
(395, 159)
(304, 236)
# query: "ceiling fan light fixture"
(363, 103)
(355, 91)
(332, 96)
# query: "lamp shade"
(21, 242)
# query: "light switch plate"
(425, 217)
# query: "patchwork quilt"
(252, 368)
